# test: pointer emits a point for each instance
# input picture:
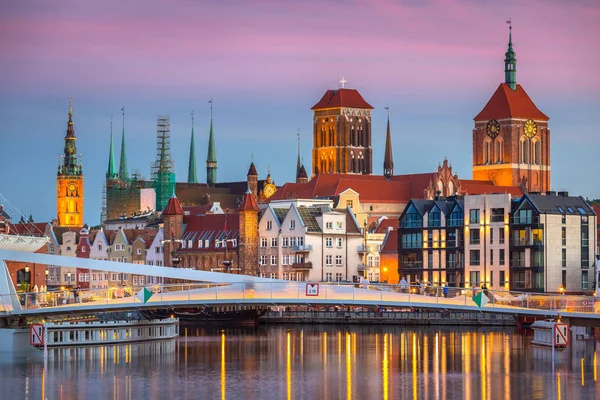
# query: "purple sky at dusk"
(265, 63)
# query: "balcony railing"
(526, 242)
(412, 265)
(455, 264)
(525, 220)
(306, 247)
(365, 249)
(303, 265)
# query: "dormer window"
(200, 243)
(190, 244)
(217, 244)
(329, 225)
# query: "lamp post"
(69, 278)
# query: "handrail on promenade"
(373, 294)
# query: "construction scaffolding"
(163, 170)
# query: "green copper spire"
(510, 64)
(112, 170)
(192, 176)
(211, 159)
(123, 165)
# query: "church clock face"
(492, 128)
(269, 190)
(72, 188)
(530, 128)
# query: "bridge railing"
(280, 292)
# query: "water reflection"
(309, 362)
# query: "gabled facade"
(83, 251)
(155, 256)
(308, 243)
(119, 250)
(430, 242)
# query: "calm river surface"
(309, 362)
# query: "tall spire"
(388, 161)
(123, 165)
(111, 173)
(298, 164)
(211, 158)
(70, 163)
(510, 63)
(192, 175)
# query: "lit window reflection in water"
(312, 362)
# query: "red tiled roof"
(371, 188)
(342, 98)
(197, 210)
(487, 187)
(248, 203)
(596, 208)
(387, 223)
(27, 229)
(210, 227)
(508, 103)
(173, 207)
(390, 244)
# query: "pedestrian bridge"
(204, 288)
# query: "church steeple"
(211, 158)
(192, 175)
(111, 173)
(388, 161)
(298, 163)
(70, 164)
(510, 64)
(123, 164)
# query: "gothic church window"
(499, 150)
(524, 152)
(487, 151)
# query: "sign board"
(36, 335)
(312, 289)
(561, 334)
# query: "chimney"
(563, 193)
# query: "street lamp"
(69, 278)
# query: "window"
(190, 244)
(497, 215)
(273, 275)
(273, 260)
(502, 278)
(300, 241)
(135, 280)
(339, 225)
(217, 243)
(474, 216)
(474, 259)
(434, 219)
(285, 276)
(564, 258)
(81, 277)
(285, 242)
(338, 276)
(584, 280)
(293, 224)
(139, 251)
(329, 242)
(273, 242)
(456, 218)
(491, 278)
(200, 243)
(285, 259)
(105, 277)
(328, 276)
(349, 203)
(263, 260)
(474, 278)
(142, 280)
(370, 260)
(157, 250)
(377, 261)
(94, 277)
(492, 257)
(338, 260)
(263, 242)
(501, 236)
(564, 280)
(564, 236)
(474, 236)
(339, 243)
(269, 225)
(100, 247)
(329, 225)
(83, 249)
(412, 219)
(430, 259)
(328, 260)
(564, 219)
(113, 277)
(412, 240)
(501, 257)
(492, 235)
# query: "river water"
(310, 362)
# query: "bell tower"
(511, 139)
(342, 133)
(69, 181)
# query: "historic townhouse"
(83, 251)
(430, 242)
(552, 242)
(155, 256)
(99, 251)
(119, 250)
(486, 241)
(308, 241)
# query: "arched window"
(322, 136)
(450, 188)
(499, 150)
(487, 150)
(524, 153)
(536, 151)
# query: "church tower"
(69, 181)
(248, 242)
(342, 133)
(511, 139)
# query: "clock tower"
(511, 139)
(69, 181)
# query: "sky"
(435, 63)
